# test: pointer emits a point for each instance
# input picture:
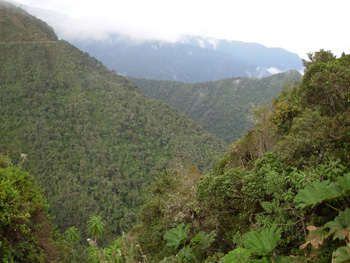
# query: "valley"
(96, 166)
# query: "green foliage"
(16, 25)
(26, 233)
(287, 107)
(221, 107)
(239, 255)
(329, 78)
(93, 140)
(175, 236)
(203, 240)
(72, 234)
(340, 226)
(262, 242)
(320, 191)
(109, 254)
(316, 193)
(258, 243)
(171, 201)
(304, 165)
(192, 249)
(342, 254)
(95, 226)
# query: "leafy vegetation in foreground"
(25, 229)
(92, 139)
(222, 107)
(281, 194)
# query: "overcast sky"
(300, 26)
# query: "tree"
(96, 226)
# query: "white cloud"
(299, 26)
(201, 43)
(273, 70)
(214, 42)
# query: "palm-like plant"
(96, 226)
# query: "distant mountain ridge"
(169, 61)
(267, 57)
(190, 59)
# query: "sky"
(300, 26)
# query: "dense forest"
(280, 194)
(92, 139)
(105, 155)
(222, 107)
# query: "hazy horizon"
(299, 26)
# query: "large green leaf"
(203, 240)
(260, 260)
(344, 182)
(186, 252)
(176, 235)
(239, 255)
(283, 260)
(342, 254)
(263, 242)
(340, 227)
(317, 193)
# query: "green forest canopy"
(93, 140)
(281, 193)
(223, 107)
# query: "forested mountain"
(92, 139)
(280, 194)
(222, 107)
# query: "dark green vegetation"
(281, 194)
(93, 140)
(18, 26)
(222, 107)
(25, 231)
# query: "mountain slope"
(92, 138)
(221, 107)
(282, 188)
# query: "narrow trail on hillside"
(26, 42)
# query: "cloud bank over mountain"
(272, 23)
